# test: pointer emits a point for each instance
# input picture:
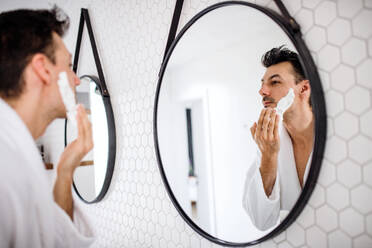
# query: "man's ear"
(305, 88)
(40, 64)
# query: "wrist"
(271, 157)
(64, 173)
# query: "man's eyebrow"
(275, 75)
(272, 76)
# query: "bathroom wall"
(137, 212)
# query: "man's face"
(276, 82)
(63, 63)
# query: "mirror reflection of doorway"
(201, 183)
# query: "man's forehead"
(277, 70)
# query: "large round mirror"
(239, 124)
(93, 176)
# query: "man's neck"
(300, 125)
(29, 112)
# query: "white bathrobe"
(264, 211)
(29, 217)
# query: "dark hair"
(23, 33)
(282, 54)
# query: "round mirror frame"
(318, 103)
(111, 143)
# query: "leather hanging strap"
(84, 18)
(174, 25)
(292, 22)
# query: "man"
(275, 180)
(32, 54)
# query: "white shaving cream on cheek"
(285, 102)
(68, 97)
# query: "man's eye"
(274, 82)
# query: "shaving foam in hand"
(68, 98)
(285, 102)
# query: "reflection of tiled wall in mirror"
(131, 37)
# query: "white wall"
(131, 36)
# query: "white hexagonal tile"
(367, 174)
(327, 174)
(279, 238)
(349, 173)
(329, 57)
(292, 6)
(342, 78)
(351, 222)
(267, 244)
(284, 244)
(346, 125)
(338, 239)
(361, 24)
(307, 217)
(334, 103)
(311, 4)
(363, 73)
(360, 199)
(360, 149)
(348, 8)
(339, 31)
(325, 12)
(365, 123)
(330, 128)
(296, 235)
(316, 238)
(353, 51)
(368, 3)
(318, 197)
(357, 100)
(362, 241)
(337, 196)
(316, 38)
(326, 218)
(325, 79)
(369, 224)
(335, 150)
(305, 18)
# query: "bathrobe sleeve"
(73, 234)
(264, 211)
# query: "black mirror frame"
(291, 28)
(111, 143)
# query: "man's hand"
(76, 150)
(265, 133)
(266, 136)
(70, 160)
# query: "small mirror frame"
(291, 28)
(111, 143)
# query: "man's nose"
(263, 91)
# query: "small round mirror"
(93, 176)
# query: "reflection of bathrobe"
(29, 216)
(265, 211)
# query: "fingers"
(276, 127)
(271, 125)
(79, 119)
(84, 130)
(260, 123)
(253, 130)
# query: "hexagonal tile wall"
(131, 37)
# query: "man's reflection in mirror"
(285, 142)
